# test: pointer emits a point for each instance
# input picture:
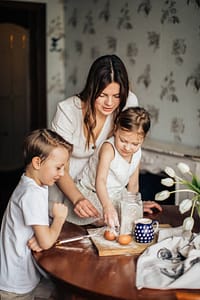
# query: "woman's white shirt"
(68, 122)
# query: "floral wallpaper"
(159, 42)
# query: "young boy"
(46, 155)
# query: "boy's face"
(128, 142)
(52, 168)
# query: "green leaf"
(195, 181)
(191, 186)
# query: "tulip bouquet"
(192, 187)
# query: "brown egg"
(109, 235)
(124, 239)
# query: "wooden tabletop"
(79, 270)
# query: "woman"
(85, 120)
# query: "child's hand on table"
(33, 245)
(151, 206)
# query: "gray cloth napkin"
(173, 262)
(172, 232)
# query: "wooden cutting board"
(108, 248)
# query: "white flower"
(169, 171)
(191, 186)
(188, 223)
(162, 195)
(184, 168)
(185, 205)
(167, 181)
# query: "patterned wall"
(159, 42)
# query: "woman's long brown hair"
(105, 70)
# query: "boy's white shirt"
(27, 206)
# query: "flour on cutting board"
(106, 247)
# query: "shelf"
(172, 149)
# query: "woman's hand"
(84, 209)
(148, 206)
(33, 245)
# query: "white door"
(14, 94)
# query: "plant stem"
(193, 206)
(184, 190)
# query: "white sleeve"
(35, 207)
(63, 122)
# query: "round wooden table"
(80, 273)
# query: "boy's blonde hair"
(41, 142)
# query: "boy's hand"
(33, 245)
(59, 210)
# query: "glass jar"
(131, 209)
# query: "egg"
(109, 235)
(124, 239)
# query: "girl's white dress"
(118, 177)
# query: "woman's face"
(108, 100)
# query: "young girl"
(45, 156)
(115, 166)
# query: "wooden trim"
(33, 17)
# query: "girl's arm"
(45, 235)
(133, 184)
(106, 155)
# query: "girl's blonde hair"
(133, 119)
